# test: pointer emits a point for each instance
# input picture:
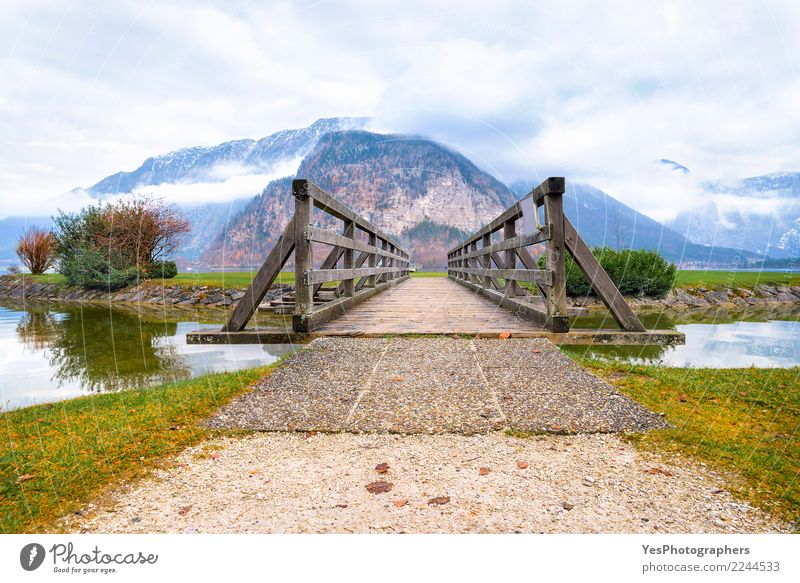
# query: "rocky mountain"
(761, 214)
(412, 187)
(215, 163)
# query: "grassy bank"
(686, 278)
(742, 422)
(55, 457)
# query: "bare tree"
(37, 250)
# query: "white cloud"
(594, 91)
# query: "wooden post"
(303, 293)
(349, 284)
(474, 261)
(371, 260)
(554, 216)
(509, 231)
(486, 261)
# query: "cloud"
(593, 91)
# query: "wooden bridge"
(490, 290)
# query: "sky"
(594, 91)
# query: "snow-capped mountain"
(759, 214)
(217, 163)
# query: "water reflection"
(51, 352)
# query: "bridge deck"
(428, 305)
(431, 306)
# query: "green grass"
(742, 422)
(56, 457)
(744, 279)
(686, 278)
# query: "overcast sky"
(594, 91)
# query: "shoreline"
(206, 296)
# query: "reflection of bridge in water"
(490, 290)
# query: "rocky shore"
(21, 288)
(200, 295)
(760, 295)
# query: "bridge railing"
(496, 269)
(387, 263)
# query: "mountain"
(215, 163)
(418, 190)
(761, 214)
(604, 221)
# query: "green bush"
(91, 269)
(161, 270)
(635, 272)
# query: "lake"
(715, 338)
(50, 352)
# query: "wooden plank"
(328, 204)
(330, 238)
(529, 275)
(315, 276)
(554, 184)
(523, 309)
(371, 261)
(348, 285)
(486, 260)
(265, 277)
(512, 243)
(510, 232)
(303, 256)
(557, 294)
(601, 282)
(336, 308)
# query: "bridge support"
(315, 301)
(502, 283)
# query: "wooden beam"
(328, 204)
(554, 213)
(510, 232)
(314, 276)
(529, 275)
(348, 285)
(328, 237)
(512, 243)
(303, 255)
(263, 280)
(601, 282)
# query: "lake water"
(715, 338)
(50, 352)
(54, 352)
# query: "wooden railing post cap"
(554, 185)
(300, 187)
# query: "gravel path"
(288, 482)
(432, 386)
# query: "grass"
(743, 279)
(686, 278)
(742, 422)
(58, 456)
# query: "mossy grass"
(742, 422)
(56, 457)
(715, 279)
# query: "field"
(686, 278)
